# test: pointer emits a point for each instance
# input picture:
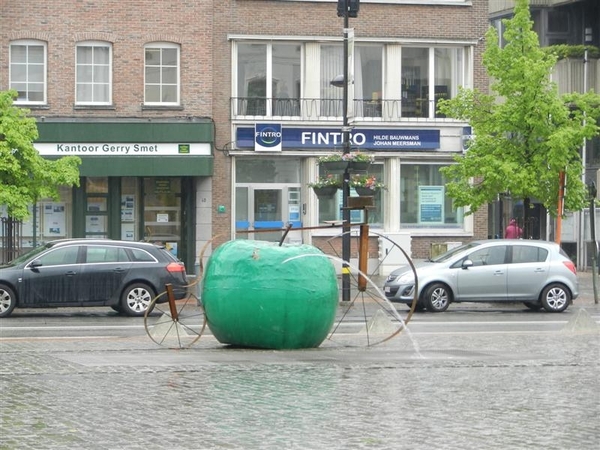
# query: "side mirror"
(467, 263)
(35, 264)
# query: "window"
(61, 256)
(528, 254)
(330, 208)
(161, 74)
(141, 255)
(423, 200)
(488, 256)
(268, 79)
(428, 75)
(94, 74)
(367, 85)
(106, 255)
(28, 71)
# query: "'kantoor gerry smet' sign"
(330, 138)
(122, 149)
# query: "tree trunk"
(526, 219)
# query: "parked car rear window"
(97, 254)
(141, 255)
(528, 254)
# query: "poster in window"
(127, 232)
(54, 220)
(431, 205)
(95, 224)
(127, 208)
(28, 223)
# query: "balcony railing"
(331, 109)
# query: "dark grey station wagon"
(123, 275)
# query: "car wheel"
(117, 308)
(437, 298)
(533, 306)
(555, 298)
(136, 299)
(8, 301)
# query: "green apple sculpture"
(259, 294)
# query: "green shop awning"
(131, 147)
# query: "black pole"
(593, 192)
(346, 183)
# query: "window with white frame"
(330, 209)
(423, 199)
(271, 77)
(28, 71)
(161, 74)
(268, 79)
(93, 75)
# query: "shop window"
(162, 212)
(48, 220)
(129, 209)
(28, 71)
(423, 199)
(94, 73)
(330, 208)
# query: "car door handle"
(119, 270)
(539, 270)
(498, 272)
(70, 273)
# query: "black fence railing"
(11, 239)
(332, 109)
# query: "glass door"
(268, 212)
(96, 212)
(162, 212)
(260, 207)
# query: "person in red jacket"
(513, 231)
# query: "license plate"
(387, 289)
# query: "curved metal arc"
(403, 322)
(408, 259)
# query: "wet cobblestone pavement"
(497, 391)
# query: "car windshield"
(450, 253)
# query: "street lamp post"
(346, 9)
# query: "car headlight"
(407, 278)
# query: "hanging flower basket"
(358, 166)
(325, 192)
(365, 191)
(326, 186)
(366, 185)
(339, 162)
(334, 166)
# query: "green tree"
(25, 176)
(526, 134)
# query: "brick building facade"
(207, 73)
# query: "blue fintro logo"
(267, 137)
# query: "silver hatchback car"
(537, 273)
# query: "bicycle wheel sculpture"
(175, 323)
(259, 294)
(368, 318)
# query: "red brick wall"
(128, 25)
